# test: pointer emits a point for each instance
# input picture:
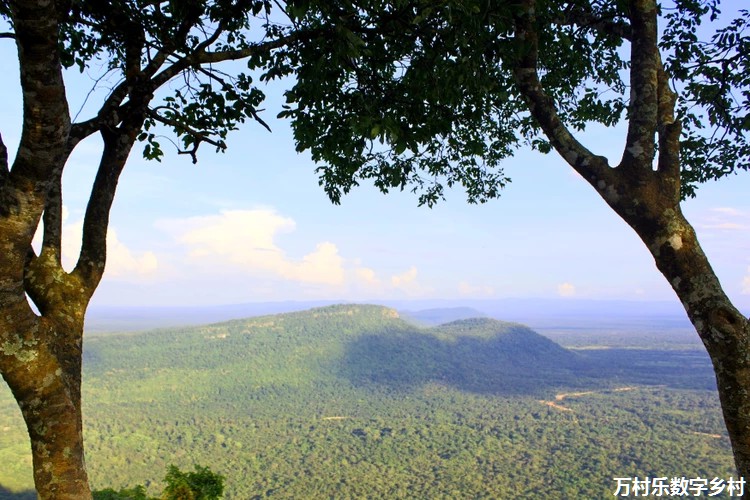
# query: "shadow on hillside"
(6, 494)
(495, 366)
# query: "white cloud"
(723, 226)
(242, 244)
(566, 290)
(122, 263)
(727, 211)
(406, 282)
(746, 283)
(723, 219)
(367, 276)
(464, 288)
(404, 279)
(246, 239)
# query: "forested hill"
(352, 401)
(354, 344)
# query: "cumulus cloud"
(122, 262)
(407, 283)
(566, 290)
(253, 244)
(367, 276)
(405, 279)
(246, 239)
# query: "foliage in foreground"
(199, 485)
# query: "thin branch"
(8, 35)
(111, 110)
(108, 114)
(212, 75)
(91, 92)
(201, 57)
(283, 9)
(210, 40)
(198, 135)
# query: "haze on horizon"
(253, 225)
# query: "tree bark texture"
(644, 190)
(40, 355)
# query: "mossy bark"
(50, 400)
(40, 354)
(40, 359)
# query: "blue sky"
(253, 225)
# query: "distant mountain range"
(439, 316)
(537, 313)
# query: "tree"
(143, 45)
(448, 88)
(427, 94)
(203, 484)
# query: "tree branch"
(593, 168)
(201, 57)
(52, 218)
(44, 99)
(92, 259)
(669, 130)
(44, 279)
(4, 171)
(112, 109)
(198, 135)
(109, 115)
(212, 75)
(644, 81)
(580, 17)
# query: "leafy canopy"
(409, 93)
(421, 94)
(203, 484)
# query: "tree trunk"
(724, 330)
(648, 199)
(40, 359)
(49, 399)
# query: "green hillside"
(353, 402)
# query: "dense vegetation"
(352, 401)
(201, 484)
